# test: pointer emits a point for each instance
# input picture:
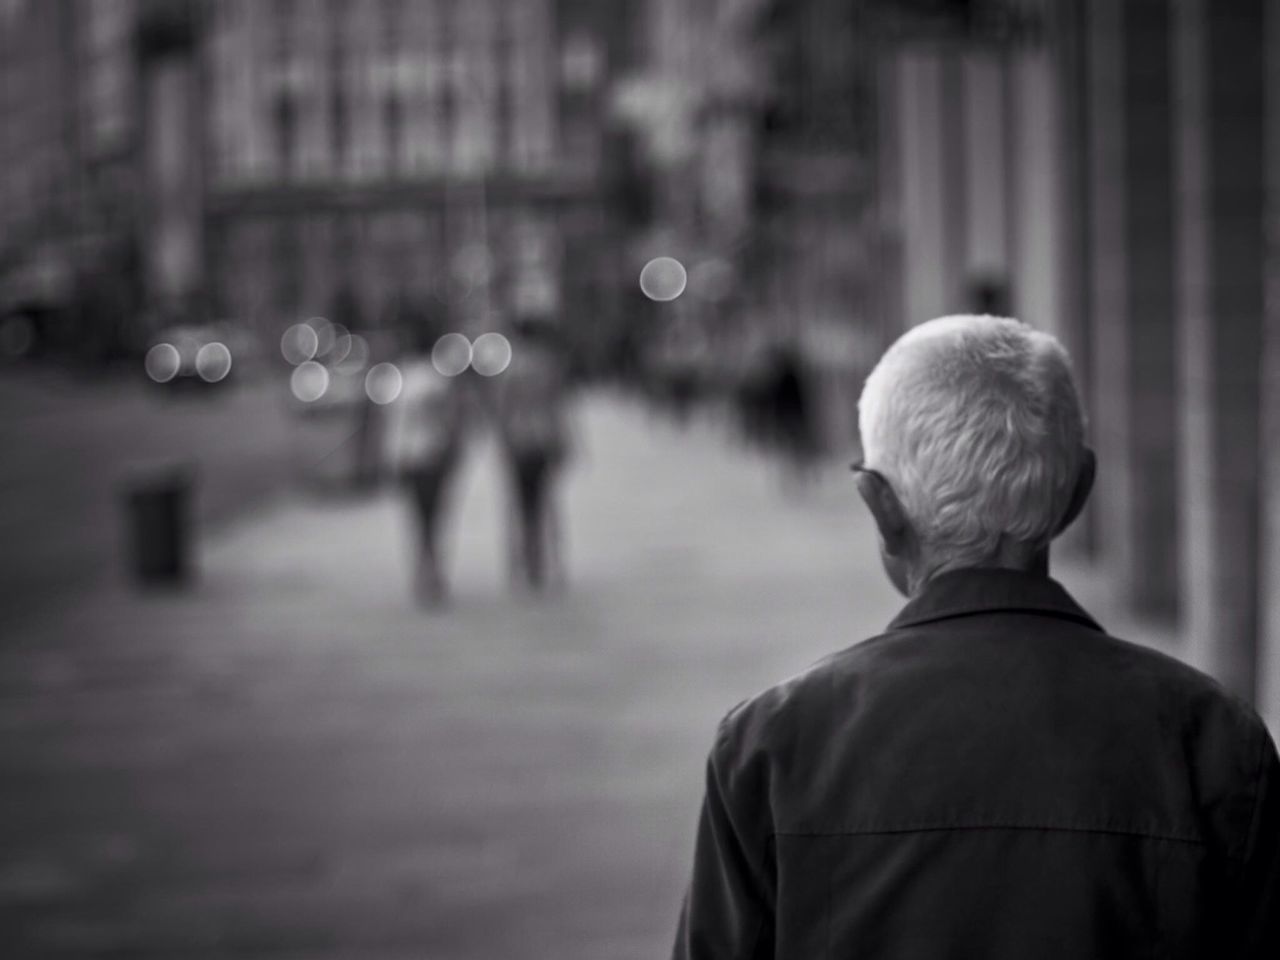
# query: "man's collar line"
(960, 593)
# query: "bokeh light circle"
(163, 361)
(299, 343)
(356, 357)
(341, 348)
(663, 279)
(326, 335)
(309, 381)
(213, 362)
(490, 354)
(452, 354)
(383, 383)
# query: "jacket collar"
(958, 593)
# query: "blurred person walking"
(777, 409)
(993, 775)
(424, 442)
(795, 406)
(531, 406)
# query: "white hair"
(976, 424)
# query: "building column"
(986, 150)
(171, 158)
(1221, 192)
(1065, 32)
(1131, 249)
(1035, 216)
(1269, 652)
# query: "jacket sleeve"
(1261, 874)
(728, 908)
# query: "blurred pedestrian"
(989, 295)
(531, 398)
(777, 407)
(993, 775)
(794, 408)
(424, 443)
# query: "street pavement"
(290, 760)
(74, 444)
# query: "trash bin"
(158, 503)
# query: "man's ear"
(887, 511)
(1080, 492)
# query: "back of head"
(976, 423)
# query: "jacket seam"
(945, 827)
(758, 942)
(1255, 818)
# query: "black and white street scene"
(426, 518)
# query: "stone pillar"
(987, 176)
(1221, 193)
(171, 159)
(1065, 32)
(1132, 268)
(1035, 208)
(1269, 652)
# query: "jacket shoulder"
(771, 718)
(1198, 694)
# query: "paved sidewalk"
(292, 761)
(71, 444)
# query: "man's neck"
(1037, 563)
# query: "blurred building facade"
(67, 116)
(811, 247)
(757, 122)
(399, 154)
(813, 185)
(683, 135)
(267, 160)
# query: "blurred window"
(107, 58)
(474, 82)
(423, 137)
(396, 82)
(531, 81)
(339, 111)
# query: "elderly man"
(993, 776)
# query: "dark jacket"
(993, 777)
